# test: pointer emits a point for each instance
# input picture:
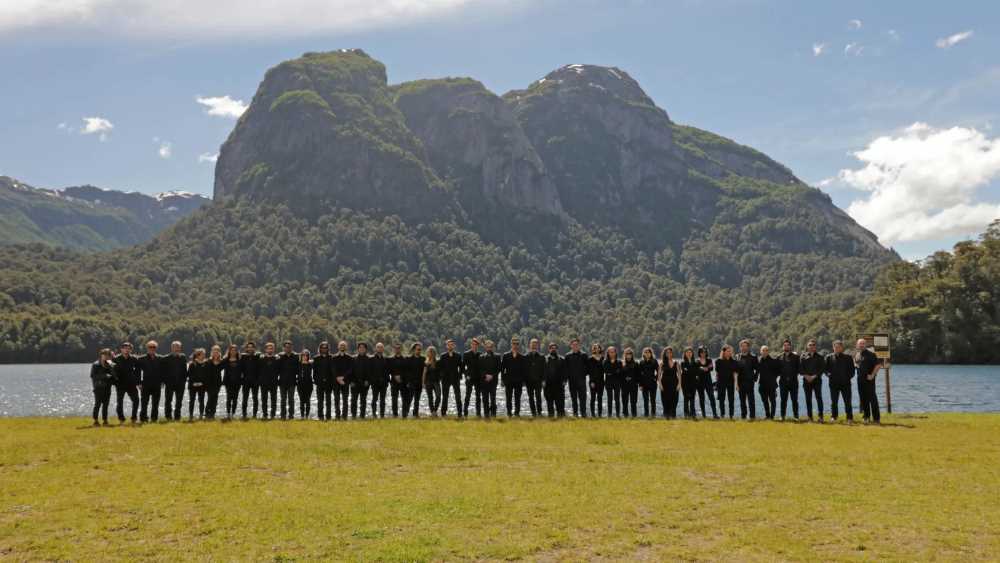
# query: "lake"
(65, 390)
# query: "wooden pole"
(888, 388)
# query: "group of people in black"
(343, 382)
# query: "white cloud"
(854, 49)
(220, 18)
(222, 106)
(894, 35)
(208, 157)
(922, 183)
(952, 40)
(819, 49)
(854, 24)
(166, 150)
(97, 125)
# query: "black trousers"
(133, 396)
(433, 389)
(705, 388)
(489, 391)
(102, 398)
(173, 396)
(535, 397)
(287, 402)
(397, 391)
(324, 402)
(150, 394)
(268, 397)
(578, 396)
(251, 391)
(341, 394)
(748, 404)
(555, 399)
(378, 400)
(471, 386)
(359, 399)
(869, 400)
(769, 397)
(456, 387)
(790, 389)
(513, 391)
(305, 401)
(597, 400)
(411, 400)
(232, 399)
(724, 390)
(689, 392)
(669, 398)
(630, 398)
(196, 393)
(649, 400)
(211, 402)
(813, 389)
(614, 397)
(838, 390)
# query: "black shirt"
(630, 372)
(866, 362)
(748, 366)
(361, 372)
(397, 366)
(126, 371)
(232, 372)
(790, 365)
(724, 370)
(612, 372)
(101, 375)
(647, 373)
(323, 371)
(470, 366)
(535, 372)
(175, 370)
(380, 371)
(513, 368)
(214, 375)
(576, 366)
(769, 369)
(288, 369)
(269, 367)
(489, 364)
(595, 370)
(152, 368)
(342, 363)
(555, 370)
(811, 364)
(450, 367)
(839, 368)
(305, 379)
(251, 368)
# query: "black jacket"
(413, 371)
(361, 371)
(288, 369)
(126, 371)
(724, 370)
(705, 372)
(342, 366)
(269, 369)
(197, 375)
(102, 375)
(813, 364)
(175, 370)
(513, 368)
(214, 380)
(397, 366)
(152, 369)
(630, 372)
(450, 367)
(768, 370)
(534, 373)
(839, 368)
(748, 369)
(866, 362)
(251, 368)
(323, 371)
(613, 372)
(555, 371)
(232, 372)
(647, 373)
(489, 364)
(595, 370)
(670, 377)
(305, 379)
(790, 365)
(576, 367)
(470, 366)
(689, 373)
(380, 371)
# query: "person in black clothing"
(413, 379)
(595, 373)
(213, 383)
(361, 380)
(705, 385)
(380, 380)
(232, 379)
(489, 370)
(397, 371)
(197, 376)
(839, 368)
(473, 379)
(450, 368)
(769, 370)
(304, 383)
(748, 373)
(288, 375)
(534, 377)
(102, 375)
(174, 376)
(648, 374)
(250, 366)
(811, 367)
(613, 380)
(512, 368)
(554, 377)
(151, 367)
(323, 378)
(126, 382)
(431, 381)
(726, 370)
(868, 365)
(789, 379)
(630, 384)
(689, 380)
(669, 382)
(269, 368)
(576, 372)
(342, 364)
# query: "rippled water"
(64, 390)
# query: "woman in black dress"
(648, 368)
(304, 383)
(214, 383)
(630, 383)
(613, 380)
(432, 381)
(101, 376)
(705, 385)
(726, 368)
(669, 382)
(689, 380)
(595, 372)
(197, 376)
(232, 378)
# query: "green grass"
(921, 487)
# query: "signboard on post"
(878, 342)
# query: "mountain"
(86, 217)
(346, 207)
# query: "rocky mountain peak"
(607, 80)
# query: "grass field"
(922, 487)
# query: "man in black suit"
(745, 379)
(288, 373)
(868, 365)
(555, 382)
(380, 380)
(576, 372)
(250, 366)
(811, 365)
(470, 367)
(323, 376)
(126, 372)
(152, 368)
(839, 371)
(513, 368)
(343, 363)
(450, 368)
(175, 376)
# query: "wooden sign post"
(878, 342)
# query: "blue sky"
(892, 107)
